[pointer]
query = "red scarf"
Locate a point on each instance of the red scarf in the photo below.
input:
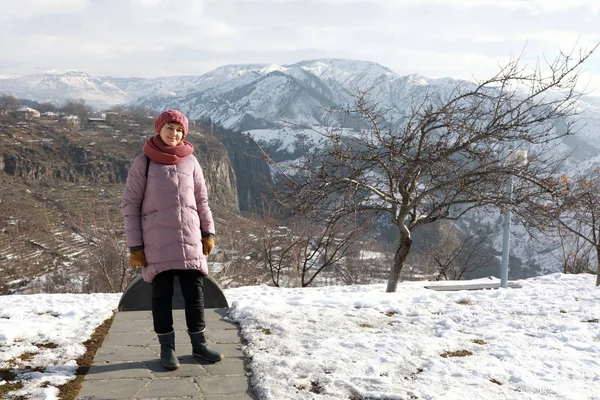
(156, 150)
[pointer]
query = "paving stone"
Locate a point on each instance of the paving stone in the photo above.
(130, 316)
(188, 367)
(244, 396)
(130, 327)
(117, 370)
(230, 349)
(111, 389)
(128, 339)
(196, 397)
(220, 324)
(224, 336)
(216, 312)
(123, 353)
(235, 384)
(169, 387)
(228, 366)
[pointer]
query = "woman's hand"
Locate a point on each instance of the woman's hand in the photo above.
(137, 259)
(208, 244)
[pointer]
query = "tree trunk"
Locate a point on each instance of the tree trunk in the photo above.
(401, 253)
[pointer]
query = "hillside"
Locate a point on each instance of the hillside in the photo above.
(59, 205)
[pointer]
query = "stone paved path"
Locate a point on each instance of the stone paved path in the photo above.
(127, 366)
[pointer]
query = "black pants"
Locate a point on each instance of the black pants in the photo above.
(192, 289)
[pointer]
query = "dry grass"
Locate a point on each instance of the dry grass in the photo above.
(266, 331)
(8, 376)
(458, 353)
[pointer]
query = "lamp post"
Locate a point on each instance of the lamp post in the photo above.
(515, 157)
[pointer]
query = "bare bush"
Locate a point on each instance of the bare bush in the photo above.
(106, 262)
(451, 253)
(576, 208)
(309, 245)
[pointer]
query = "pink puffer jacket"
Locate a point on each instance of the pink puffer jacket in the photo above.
(174, 214)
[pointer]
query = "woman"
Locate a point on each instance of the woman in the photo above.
(169, 230)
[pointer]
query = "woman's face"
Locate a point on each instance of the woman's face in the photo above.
(171, 133)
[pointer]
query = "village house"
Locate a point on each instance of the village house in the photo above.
(27, 113)
(97, 122)
(71, 119)
(112, 117)
(49, 116)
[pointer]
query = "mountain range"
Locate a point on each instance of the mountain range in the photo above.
(243, 96)
(267, 98)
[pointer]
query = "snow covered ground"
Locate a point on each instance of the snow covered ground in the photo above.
(357, 342)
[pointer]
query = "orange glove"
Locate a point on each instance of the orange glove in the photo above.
(208, 244)
(137, 259)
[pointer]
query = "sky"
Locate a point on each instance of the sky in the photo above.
(540, 341)
(152, 38)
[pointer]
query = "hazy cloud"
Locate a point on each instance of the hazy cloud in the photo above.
(458, 38)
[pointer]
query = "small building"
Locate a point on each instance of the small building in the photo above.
(112, 117)
(49, 116)
(97, 123)
(71, 119)
(97, 114)
(27, 113)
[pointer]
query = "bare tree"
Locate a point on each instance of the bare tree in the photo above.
(8, 104)
(364, 267)
(447, 156)
(45, 107)
(576, 207)
(310, 244)
(451, 253)
(575, 252)
(237, 259)
(78, 108)
(105, 263)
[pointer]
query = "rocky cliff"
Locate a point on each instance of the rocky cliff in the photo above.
(98, 157)
(252, 171)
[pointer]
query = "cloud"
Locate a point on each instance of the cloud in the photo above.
(436, 38)
(24, 9)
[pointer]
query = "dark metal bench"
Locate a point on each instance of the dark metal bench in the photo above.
(138, 295)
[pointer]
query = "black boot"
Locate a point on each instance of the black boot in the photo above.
(167, 350)
(200, 348)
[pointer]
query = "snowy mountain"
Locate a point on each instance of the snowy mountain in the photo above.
(56, 87)
(244, 96)
(259, 96)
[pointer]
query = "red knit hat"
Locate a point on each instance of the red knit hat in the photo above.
(171, 116)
